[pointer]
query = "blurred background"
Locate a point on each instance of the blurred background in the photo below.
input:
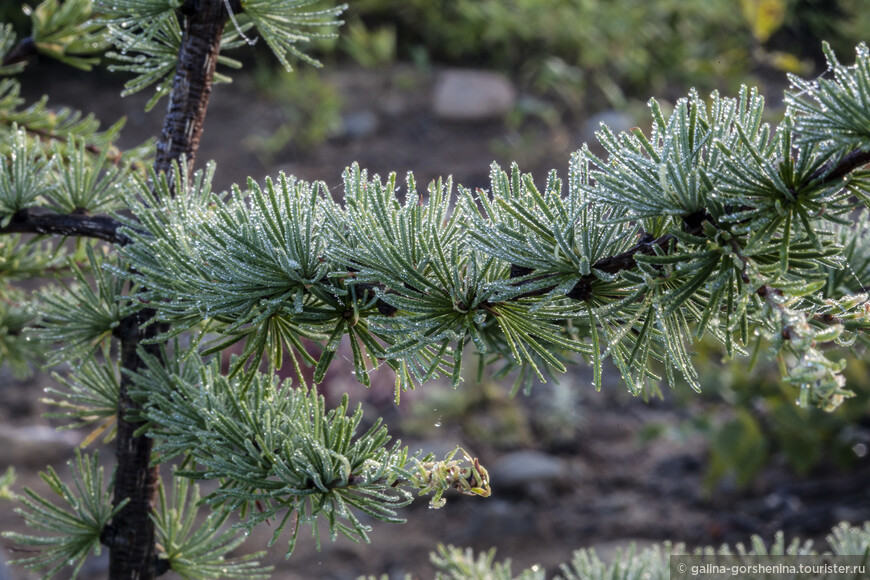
(446, 87)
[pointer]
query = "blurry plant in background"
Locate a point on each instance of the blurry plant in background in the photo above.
(748, 418)
(485, 414)
(310, 110)
(488, 417)
(11, 12)
(764, 18)
(571, 57)
(369, 47)
(673, 44)
(671, 40)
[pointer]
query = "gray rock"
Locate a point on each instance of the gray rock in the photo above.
(617, 122)
(510, 519)
(527, 470)
(473, 95)
(358, 124)
(35, 445)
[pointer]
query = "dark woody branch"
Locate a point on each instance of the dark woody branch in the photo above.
(75, 224)
(849, 163)
(25, 48)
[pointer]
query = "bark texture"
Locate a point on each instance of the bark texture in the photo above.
(130, 537)
(98, 226)
(191, 88)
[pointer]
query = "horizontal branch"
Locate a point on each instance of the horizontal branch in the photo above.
(100, 227)
(849, 163)
(693, 225)
(582, 290)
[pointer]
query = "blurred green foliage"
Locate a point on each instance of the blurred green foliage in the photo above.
(489, 415)
(368, 47)
(738, 447)
(749, 418)
(670, 38)
(310, 110)
(11, 12)
(485, 414)
(623, 47)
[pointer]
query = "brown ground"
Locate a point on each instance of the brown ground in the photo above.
(619, 489)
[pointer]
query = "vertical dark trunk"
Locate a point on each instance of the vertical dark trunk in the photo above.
(182, 128)
(130, 536)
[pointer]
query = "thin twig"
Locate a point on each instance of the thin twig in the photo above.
(25, 48)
